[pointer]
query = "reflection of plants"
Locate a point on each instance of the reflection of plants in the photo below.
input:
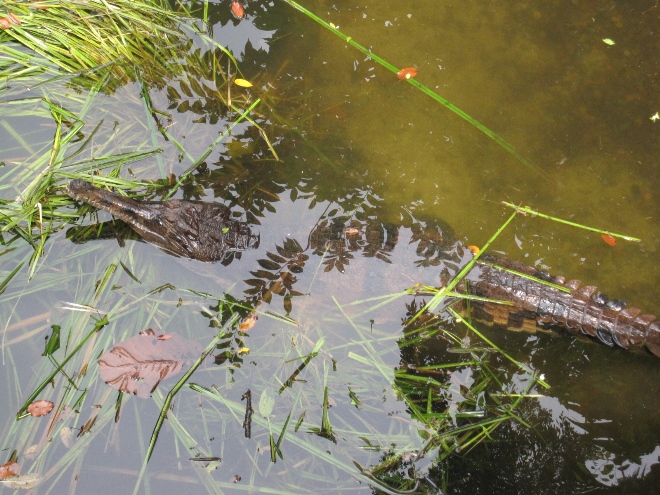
(277, 275)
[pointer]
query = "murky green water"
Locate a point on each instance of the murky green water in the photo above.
(358, 147)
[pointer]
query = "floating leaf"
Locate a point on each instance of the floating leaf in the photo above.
(40, 408)
(164, 337)
(66, 435)
(248, 322)
(242, 83)
(138, 364)
(237, 9)
(22, 481)
(474, 249)
(608, 239)
(243, 350)
(266, 403)
(8, 469)
(407, 73)
(608, 41)
(352, 231)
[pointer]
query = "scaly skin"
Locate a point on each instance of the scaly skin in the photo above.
(582, 310)
(192, 229)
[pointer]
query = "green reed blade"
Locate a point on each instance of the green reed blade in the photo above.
(527, 210)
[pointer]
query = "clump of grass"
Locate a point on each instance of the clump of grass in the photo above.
(88, 37)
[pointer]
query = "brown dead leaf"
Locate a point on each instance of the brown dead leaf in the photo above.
(9, 469)
(138, 364)
(40, 408)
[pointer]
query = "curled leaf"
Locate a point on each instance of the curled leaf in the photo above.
(249, 321)
(13, 19)
(4, 23)
(407, 73)
(242, 83)
(40, 408)
(352, 231)
(608, 239)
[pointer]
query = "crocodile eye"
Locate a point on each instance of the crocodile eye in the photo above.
(600, 298)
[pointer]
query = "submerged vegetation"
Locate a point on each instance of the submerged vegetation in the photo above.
(380, 404)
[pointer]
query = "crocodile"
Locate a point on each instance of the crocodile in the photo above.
(204, 231)
(191, 229)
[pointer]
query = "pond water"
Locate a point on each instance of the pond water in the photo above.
(358, 148)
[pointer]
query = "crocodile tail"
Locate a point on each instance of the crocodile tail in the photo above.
(580, 310)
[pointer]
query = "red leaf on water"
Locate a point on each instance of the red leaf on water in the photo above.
(237, 9)
(138, 364)
(40, 408)
(407, 73)
(9, 469)
(608, 239)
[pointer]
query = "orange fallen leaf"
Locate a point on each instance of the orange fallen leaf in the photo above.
(40, 408)
(237, 9)
(249, 321)
(9, 469)
(407, 73)
(611, 241)
(474, 249)
(352, 231)
(4, 23)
